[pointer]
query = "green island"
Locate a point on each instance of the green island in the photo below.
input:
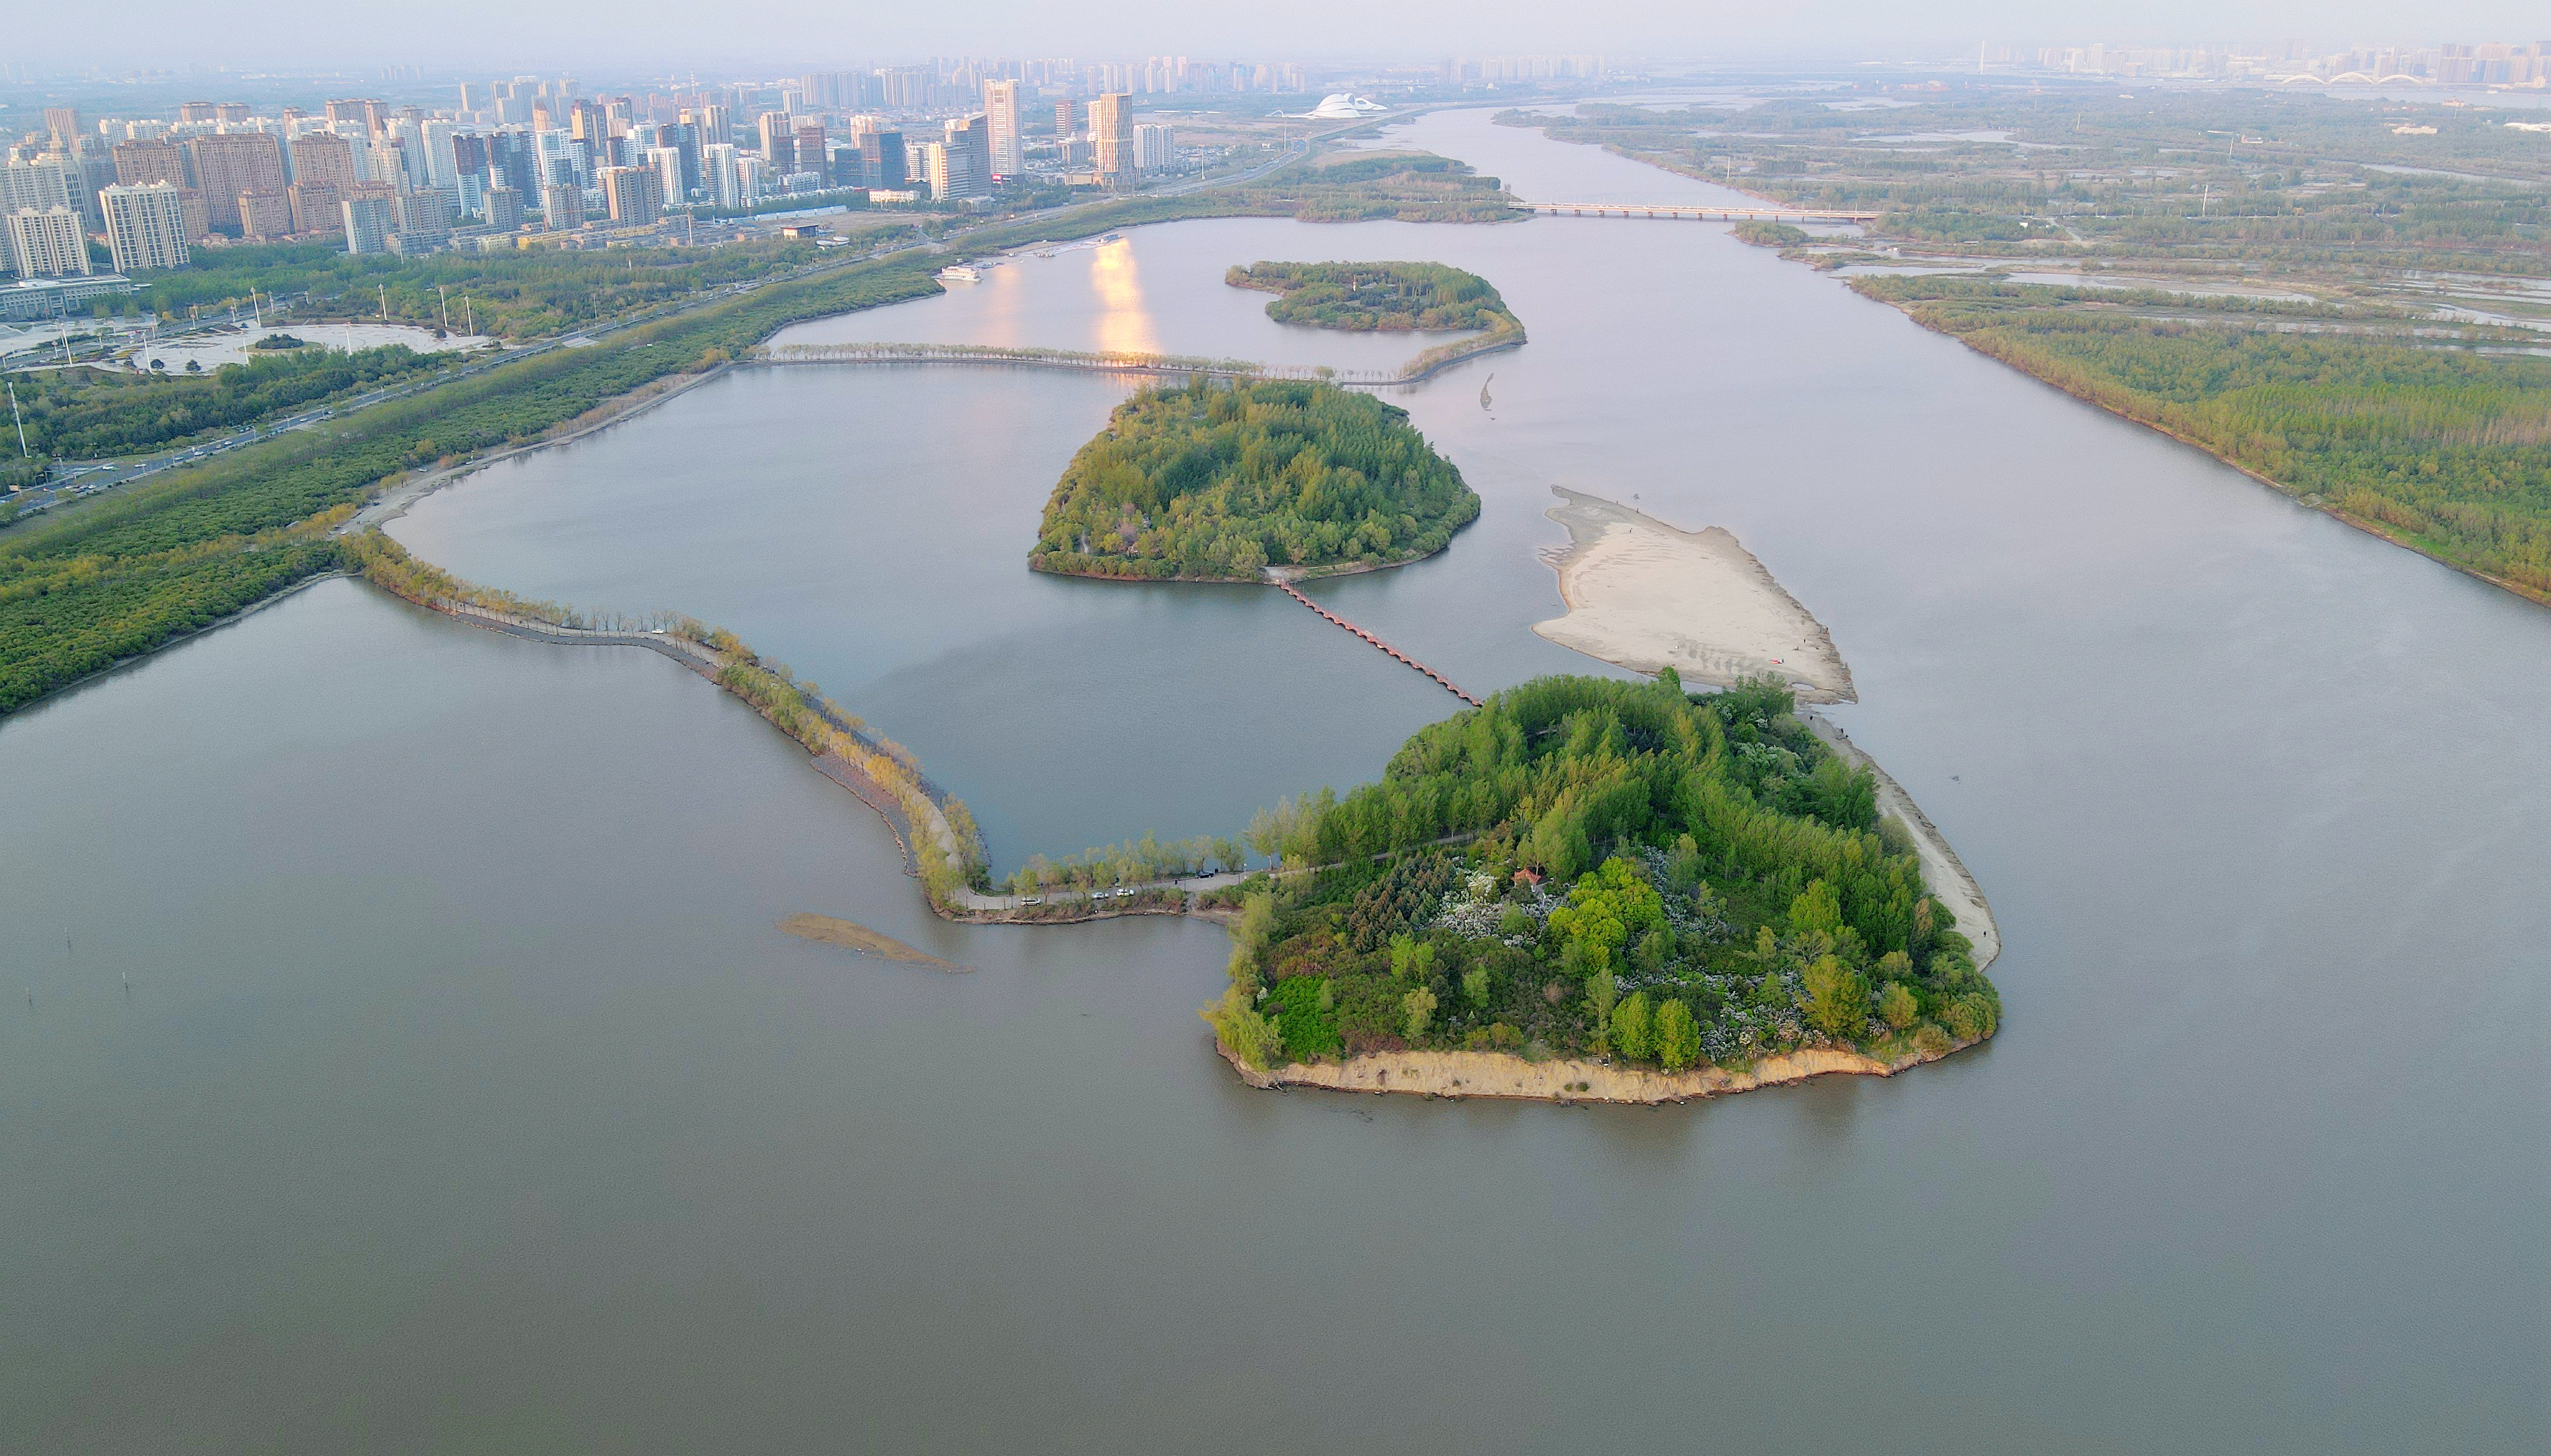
(2343, 302)
(1589, 869)
(1215, 482)
(1377, 297)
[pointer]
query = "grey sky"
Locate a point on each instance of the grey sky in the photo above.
(783, 35)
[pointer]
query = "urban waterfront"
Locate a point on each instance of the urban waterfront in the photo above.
(460, 1057)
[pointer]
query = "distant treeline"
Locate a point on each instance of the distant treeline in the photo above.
(1213, 481)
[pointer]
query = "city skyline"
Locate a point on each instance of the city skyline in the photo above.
(295, 34)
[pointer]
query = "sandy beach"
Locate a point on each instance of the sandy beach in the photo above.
(1500, 1074)
(1644, 595)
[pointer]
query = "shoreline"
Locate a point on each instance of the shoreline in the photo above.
(2377, 528)
(393, 502)
(1503, 1077)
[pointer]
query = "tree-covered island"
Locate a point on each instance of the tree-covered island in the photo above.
(1370, 296)
(1207, 483)
(1586, 868)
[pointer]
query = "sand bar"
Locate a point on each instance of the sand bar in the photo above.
(1644, 595)
(858, 937)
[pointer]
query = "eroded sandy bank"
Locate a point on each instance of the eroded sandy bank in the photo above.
(1943, 873)
(1644, 595)
(1498, 1075)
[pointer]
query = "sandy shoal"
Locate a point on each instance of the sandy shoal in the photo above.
(1644, 595)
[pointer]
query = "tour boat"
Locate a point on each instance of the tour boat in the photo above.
(961, 272)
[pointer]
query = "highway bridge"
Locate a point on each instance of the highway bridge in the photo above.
(1693, 213)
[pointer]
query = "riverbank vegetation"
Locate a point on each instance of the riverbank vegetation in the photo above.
(2448, 450)
(947, 864)
(1216, 483)
(91, 414)
(1657, 878)
(1383, 296)
(84, 587)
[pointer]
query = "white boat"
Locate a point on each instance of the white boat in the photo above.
(961, 272)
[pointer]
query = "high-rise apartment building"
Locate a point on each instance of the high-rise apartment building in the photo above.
(1153, 148)
(47, 242)
(778, 131)
(232, 162)
(197, 111)
(503, 209)
(1001, 110)
(562, 207)
(348, 111)
(812, 154)
(963, 166)
(634, 195)
(139, 163)
(61, 123)
(718, 175)
(371, 219)
(313, 206)
(45, 183)
(322, 158)
(666, 163)
(231, 113)
(881, 160)
(146, 226)
(1111, 138)
(424, 220)
(264, 214)
(1068, 118)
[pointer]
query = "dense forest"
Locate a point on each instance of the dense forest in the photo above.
(89, 414)
(1215, 482)
(83, 588)
(1387, 296)
(1632, 872)
(2448, 449)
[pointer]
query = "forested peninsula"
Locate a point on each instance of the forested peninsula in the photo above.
(1670, 892)
(1214, 482)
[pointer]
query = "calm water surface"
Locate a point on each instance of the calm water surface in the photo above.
(464, 1097)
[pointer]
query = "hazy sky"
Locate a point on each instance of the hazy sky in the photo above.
(494, 36)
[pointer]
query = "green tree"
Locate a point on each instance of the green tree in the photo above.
(1899, 1006)
(1837, 998)
(1420, 1007)
(1475, 986)
(1633, 1028)
(1253, 1038)
(1250, 938)
(1677, 1036)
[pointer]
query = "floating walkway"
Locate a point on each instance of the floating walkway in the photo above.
(1440, 680)
(1687, 212)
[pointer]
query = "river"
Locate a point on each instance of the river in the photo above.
(462, 1094)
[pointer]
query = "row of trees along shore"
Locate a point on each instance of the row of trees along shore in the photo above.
(794, 705)
(1654, 877)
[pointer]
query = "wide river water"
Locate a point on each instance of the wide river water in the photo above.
(406, 1057)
